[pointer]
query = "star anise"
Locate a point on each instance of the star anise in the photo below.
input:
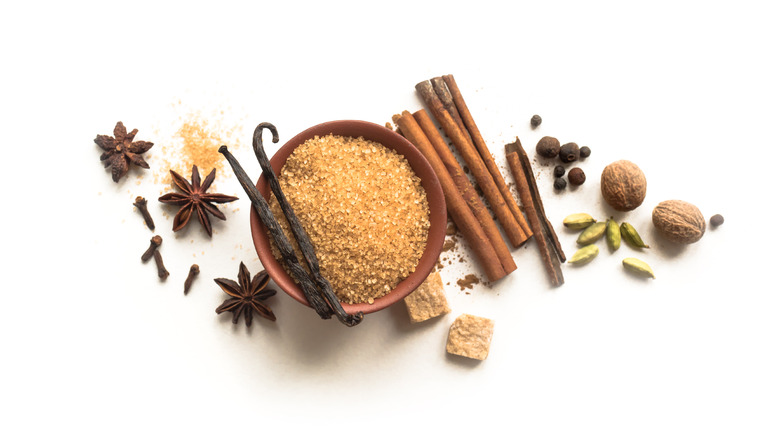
(121, 150)
(246, 296)
(195, 199)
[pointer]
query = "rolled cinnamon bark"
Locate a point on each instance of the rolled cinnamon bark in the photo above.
(547, 242)
(466, 190)
(479, 143)
(461, 214)
(472, 158)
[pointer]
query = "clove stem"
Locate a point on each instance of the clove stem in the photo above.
(154, 243)
(140, 203)
(194, 271)
(161, 271)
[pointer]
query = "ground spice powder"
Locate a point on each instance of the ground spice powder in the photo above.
(364, 209)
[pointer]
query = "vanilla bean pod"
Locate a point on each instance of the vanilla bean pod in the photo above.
(304, 242)
(285, 248)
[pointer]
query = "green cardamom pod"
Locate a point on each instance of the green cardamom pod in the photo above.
(632, 237)
(613, 234)
(578, 221)
(592, 233)
(638, 266)
(584, 254)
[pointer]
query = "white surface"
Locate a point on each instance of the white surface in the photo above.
(94, 345)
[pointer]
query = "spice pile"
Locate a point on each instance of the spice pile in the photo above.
(364, 210)
(194, 143)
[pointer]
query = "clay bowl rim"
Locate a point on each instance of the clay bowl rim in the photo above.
(430, 183)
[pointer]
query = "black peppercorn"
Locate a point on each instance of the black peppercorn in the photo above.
(569, 152)
(559, 171)
(559, 184)
(576, 176)
(536, 121)
(716, 220)
(584, 152)
(548, 147)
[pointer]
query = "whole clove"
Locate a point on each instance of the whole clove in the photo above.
(194, 271)
(154, 243)
(140, 203)
(161, 271)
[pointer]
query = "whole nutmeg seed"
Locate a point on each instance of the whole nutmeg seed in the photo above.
(623, 185)
(576, 176)
(679, 221)
(548, 147)
(569, 152)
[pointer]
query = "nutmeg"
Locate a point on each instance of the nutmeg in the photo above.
(623, 185)
(679, 221)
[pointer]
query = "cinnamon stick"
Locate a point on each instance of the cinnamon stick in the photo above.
(472, 158)
(465, 220)
(546, 239)
(466, 190)
(480, 145)
(440, 88)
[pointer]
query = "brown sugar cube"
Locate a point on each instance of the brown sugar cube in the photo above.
(470, 336)
(428, 300)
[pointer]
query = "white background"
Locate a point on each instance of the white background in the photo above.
(94, 345)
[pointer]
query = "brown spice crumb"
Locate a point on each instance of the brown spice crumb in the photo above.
(449, 245)
(452, 229)
(468, 281)
(364, 209)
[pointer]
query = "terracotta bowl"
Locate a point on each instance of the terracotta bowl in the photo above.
(390, 139)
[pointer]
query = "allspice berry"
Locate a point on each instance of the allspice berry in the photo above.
(584, 152)
(536, 120)
(548, 147)
(716, 220)
(679, 221)
(559, 184)
(576, 176)
(623, 185)
(559, 171)
(569, 152)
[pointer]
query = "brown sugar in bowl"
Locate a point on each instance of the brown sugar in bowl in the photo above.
(420, 166)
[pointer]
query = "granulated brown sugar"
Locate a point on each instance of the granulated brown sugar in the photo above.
(196, 141)
(364, 209)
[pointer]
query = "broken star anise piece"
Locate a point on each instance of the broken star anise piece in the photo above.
(121, 150)
(246, 296)
(194, 199)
